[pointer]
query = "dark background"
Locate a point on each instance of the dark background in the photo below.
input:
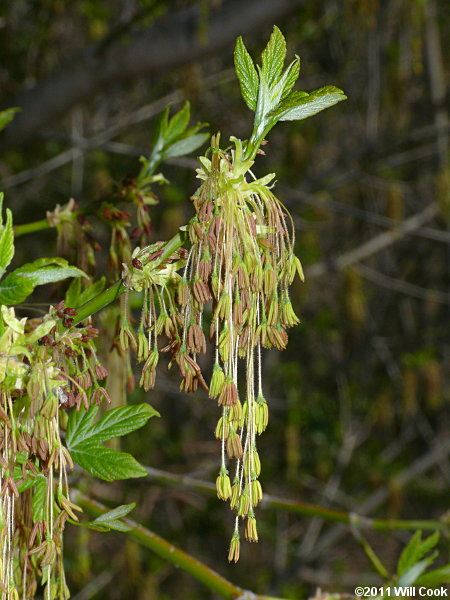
(358, 411)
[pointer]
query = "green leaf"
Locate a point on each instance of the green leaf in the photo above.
(296, 107)
(6, 237)
(416, 570)
(39, 499)
(19, 284)
(178, 122)
(114, 423)
(42, 329)
(110, 520)
(6, 116)
(172, 139)
(291, 76)
(106, 463)
(15, 289)
(76, 297)
(435, 577)
(273, 56)
(275, 100)
(85, 436)
(246, 74)
(185, 146)
(415, 550)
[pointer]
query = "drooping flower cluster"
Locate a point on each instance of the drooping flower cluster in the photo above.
(154, 273)
(236, 276)
(43, 368)
(242, 260)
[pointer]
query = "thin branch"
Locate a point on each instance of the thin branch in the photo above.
(440, 448)
(172, 554)
(169, 43)
(100, 140)
(375, 244)
(359, 213)
(301, 508)
(403, 286)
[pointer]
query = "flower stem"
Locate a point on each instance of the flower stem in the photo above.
(31, 227)
(117, 289)
(171, 553)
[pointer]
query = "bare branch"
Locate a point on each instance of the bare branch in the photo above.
(375, 244)
(171, 42)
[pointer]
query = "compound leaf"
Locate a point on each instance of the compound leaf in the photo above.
(85, 436)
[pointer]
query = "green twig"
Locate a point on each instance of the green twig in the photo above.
(117, 289)
(305, 509)
(171, 553)
(370, 553)
(31, 227)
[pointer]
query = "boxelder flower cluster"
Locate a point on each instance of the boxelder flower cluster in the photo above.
(44, 370)
(236, 276)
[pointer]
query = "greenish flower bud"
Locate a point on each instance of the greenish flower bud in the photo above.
(251, 533)
(217, 381)
(236, 415)
(244, 503)
(261, 414)
(235, 493)
(224, 344)
(223, 485)
(269, 279)
(215, 284)
(126, 338)
(256, 492)
(235, 544)
(142, 352)
(222, 428)
(223, 307)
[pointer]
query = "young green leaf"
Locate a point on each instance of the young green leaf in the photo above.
(76, 297)
(178, 123)
(415, 550)
(172, 139)
(6, 116)
(435, 577)
(19, 284)
(290, 77)
(295, 107)
(185, 146)
(273, 56)
(6, 237)
(272, 97)
(246, 73)
(111, 519)
(411, 576)
(40, 331)
(85, 436)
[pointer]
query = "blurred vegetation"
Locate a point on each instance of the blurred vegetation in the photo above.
(359, 408)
